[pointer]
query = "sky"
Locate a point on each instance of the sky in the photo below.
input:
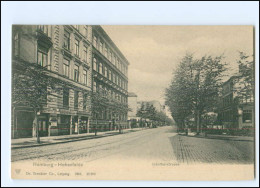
(155, 51)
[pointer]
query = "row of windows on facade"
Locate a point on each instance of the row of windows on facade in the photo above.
(76, 72)
(42, 60)
(67, 39)
(109, 93)
(46, 30)
(66, 99)
(109, 74)
(103, 48)
(109, 115)
(77, 46)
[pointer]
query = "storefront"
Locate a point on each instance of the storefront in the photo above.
(23, 124)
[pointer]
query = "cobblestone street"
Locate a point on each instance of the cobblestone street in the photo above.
(160, 144)
(191, 150)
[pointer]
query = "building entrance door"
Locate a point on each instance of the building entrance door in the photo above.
(43, 124)
(84, 124)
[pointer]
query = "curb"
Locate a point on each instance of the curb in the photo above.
(220, 138)
(72, 140)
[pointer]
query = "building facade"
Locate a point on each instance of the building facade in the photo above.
(68, 79)
(236, 111)
(61, 56)
(110, 83)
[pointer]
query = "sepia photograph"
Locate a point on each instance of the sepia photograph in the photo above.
(131, 99)
(126, 101)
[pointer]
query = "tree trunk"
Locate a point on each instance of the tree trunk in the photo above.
(197, 119)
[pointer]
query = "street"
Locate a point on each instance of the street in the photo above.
(159, 144)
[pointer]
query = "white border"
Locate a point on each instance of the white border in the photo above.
(114, 13)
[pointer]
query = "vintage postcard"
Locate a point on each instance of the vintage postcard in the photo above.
(103, 102)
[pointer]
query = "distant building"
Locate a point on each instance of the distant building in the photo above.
(132, 102)
(235, 111)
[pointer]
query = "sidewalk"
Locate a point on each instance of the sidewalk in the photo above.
(220, 137)
(31, 142)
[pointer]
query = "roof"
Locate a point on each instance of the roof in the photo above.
(131, 94)
(104, 34)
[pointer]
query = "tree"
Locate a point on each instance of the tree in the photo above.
(195, 88)
(178, 97)
(246, 76)
(149, 112)
(30, 88)
(102, 102)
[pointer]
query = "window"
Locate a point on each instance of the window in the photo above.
(86, 31)
(114, 78)
(95, 86)
(16, 44)
(120, 66)
(101, 46)
(109, 74)
(85, 77)
(247, 116)
(66, 67)
(105, 51)
(66, 43)
(100, 68)
(117, 63)
(95, 41)
(105, 91)
(105, 71)
(76, 99)
(76, 73)
(109, 55)
(85, 97)
(112, 94)
(113, 59)
(100, 90)
(65, 97)
(77, 47)
(42, 58)
(85, 54)
(43, 28)
(95, 64)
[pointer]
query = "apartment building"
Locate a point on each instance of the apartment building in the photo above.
(236, 111)
(110, 83)
(61, 57)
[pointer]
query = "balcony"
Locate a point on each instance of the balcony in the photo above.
(43, 39)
